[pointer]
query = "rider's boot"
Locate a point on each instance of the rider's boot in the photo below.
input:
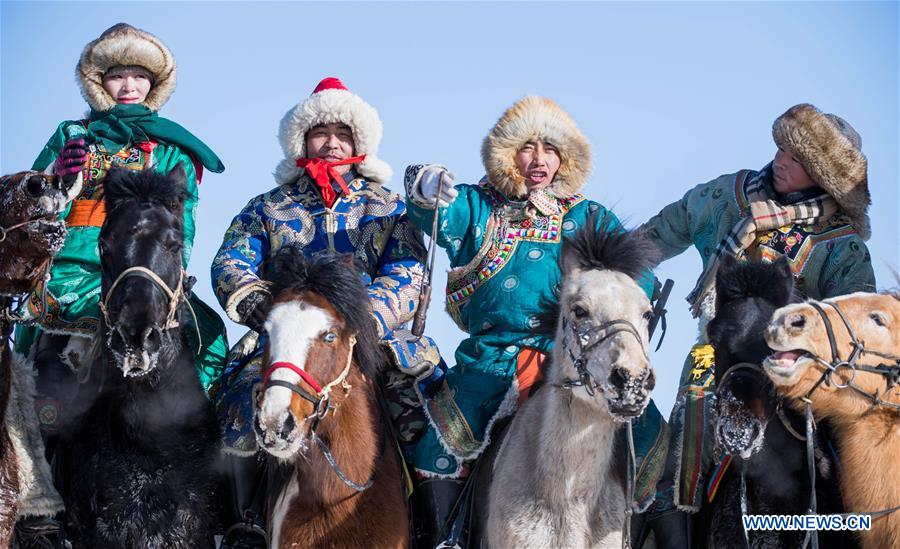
(434, 500)
(247, 480)
(40, 533)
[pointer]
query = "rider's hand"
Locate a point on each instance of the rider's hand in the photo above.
(254, 309)
(428, 179)
(71, 159)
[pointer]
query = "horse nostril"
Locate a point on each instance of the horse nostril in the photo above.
(35, 185)
(152, 339)
(288, 426)
(798, 321)
(650, 382)
(618, 378)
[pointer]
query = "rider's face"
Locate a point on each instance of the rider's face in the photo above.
(538, 163)
(789, 175)
(332, 142)
(127, 86)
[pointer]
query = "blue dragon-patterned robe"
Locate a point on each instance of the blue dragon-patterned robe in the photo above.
(370, 223)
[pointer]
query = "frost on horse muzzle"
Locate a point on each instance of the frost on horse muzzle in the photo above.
(615, 347)
(742, 395)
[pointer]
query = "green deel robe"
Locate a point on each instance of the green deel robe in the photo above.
(827, 260)
(69, 304)
(505, 270)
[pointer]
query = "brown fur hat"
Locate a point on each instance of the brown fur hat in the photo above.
(529, 119)
(828, 148)
(124, 45)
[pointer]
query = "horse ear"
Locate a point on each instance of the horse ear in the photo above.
(178, 176)
(569, 259)
(786, 289)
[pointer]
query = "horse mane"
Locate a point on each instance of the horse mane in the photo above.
(772, 282)
(145, 187)
(336, 278)
(609, 247)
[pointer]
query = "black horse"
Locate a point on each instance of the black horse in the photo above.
(139, 465)
(765, 439)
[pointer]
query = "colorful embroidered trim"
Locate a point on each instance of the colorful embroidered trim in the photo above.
(717, 476)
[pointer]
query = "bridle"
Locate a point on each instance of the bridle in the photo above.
(322, 404)
(589, 336)
(176, 297)
(6, 230)
(891, 373)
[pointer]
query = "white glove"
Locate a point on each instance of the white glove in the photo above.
(430, 178)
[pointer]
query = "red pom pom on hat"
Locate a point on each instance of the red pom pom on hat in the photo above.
(329, 83)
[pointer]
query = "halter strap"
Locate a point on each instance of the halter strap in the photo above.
(297, 370)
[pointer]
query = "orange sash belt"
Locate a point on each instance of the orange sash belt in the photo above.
(86, 213)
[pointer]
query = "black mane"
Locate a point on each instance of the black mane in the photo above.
(608, 247)
(336, 278)
(121, 186)
(772, 282)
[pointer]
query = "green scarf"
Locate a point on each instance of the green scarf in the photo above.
(125, 125)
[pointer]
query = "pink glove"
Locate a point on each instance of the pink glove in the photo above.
(71, 158)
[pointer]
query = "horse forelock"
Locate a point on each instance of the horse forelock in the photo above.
(335, 279)
(608, 247)
(146, 187)
(772, 282)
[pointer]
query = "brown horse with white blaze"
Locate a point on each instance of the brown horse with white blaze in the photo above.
(843, 354)
(318, 411)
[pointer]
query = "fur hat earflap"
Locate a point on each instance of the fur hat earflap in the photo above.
(125, 46)
(536, 118)
(331, 102)
(829, 149)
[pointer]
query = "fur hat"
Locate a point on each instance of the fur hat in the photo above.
(828, 148)
(332, 102)
(529, 119)
(124, 45)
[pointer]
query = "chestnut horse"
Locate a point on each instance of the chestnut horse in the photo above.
(319, 412)
(842, 355)
(30, 234)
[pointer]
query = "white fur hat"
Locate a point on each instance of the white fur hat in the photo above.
(331, 102)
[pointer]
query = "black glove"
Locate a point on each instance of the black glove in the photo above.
(254, 309)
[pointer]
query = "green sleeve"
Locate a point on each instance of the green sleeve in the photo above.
(167, 157)
(51, 149)
(670, 229)
(847, 269)
(462, 223)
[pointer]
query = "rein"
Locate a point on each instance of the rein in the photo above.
(589, 336)
(175, 297)
(890, 372)
(6, 230)
(321, 402)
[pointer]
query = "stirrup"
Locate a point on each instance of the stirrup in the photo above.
(237, 533)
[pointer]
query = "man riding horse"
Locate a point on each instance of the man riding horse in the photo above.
(126, 75)
(810, 205)
(503, 237)
(330, 198)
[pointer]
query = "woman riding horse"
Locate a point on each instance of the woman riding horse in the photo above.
(126, 75)
(330, 198)
(503, 237)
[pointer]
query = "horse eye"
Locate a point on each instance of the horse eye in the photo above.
(879, 319)
(579, 312)
(647, 315)
(330, 337)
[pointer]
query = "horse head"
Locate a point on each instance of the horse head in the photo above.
(30, 228)
(602, 332)
(747, 293)
(842, 353)
(141, 245)
(321, 335)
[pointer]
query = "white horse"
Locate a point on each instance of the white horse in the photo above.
(557, 481)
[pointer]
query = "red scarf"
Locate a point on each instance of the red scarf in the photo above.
(322, 172)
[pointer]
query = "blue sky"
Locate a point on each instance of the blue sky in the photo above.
(670, 94)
